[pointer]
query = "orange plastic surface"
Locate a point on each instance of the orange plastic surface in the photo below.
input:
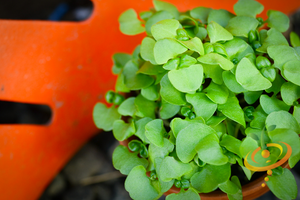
(67, 66)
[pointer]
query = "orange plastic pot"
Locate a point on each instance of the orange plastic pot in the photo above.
(67, 66)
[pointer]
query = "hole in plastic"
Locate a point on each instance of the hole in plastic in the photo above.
(50, 10)
(24, 113)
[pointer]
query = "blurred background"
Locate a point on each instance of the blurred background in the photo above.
(89, 175)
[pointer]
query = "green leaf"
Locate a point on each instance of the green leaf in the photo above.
(150, 93)
(144, 15)
(122, 130)
(129, 23)
(208, 179)
(233, 110)
(190, 194)
(270, 105)
(127, 108)
(249, 8)
(278, 20)
(258, 134)
(296, 113)
(229, 187)
(231, 82)
(168, 110)
(157, 17)
(187, 79)
(249, 77)
(217, 33)
(186, 61)
(165, 29)
(208, 47)
(200, 32)
(145, 108)
(133, 80)
(120, 59)
(238, 195)
(236, 181)
(172, 64)
(269, 73)
(188, 138)
(259, 118)
(210, 151)
(263, 34)
(283, 186)
(217, 93)
(200, 13)
(231, 144)
(162, 5)
(173, 169)
(251, 97)
(140, 129)
(241, 25)
(281, 54)
(177, 124)
(237, 48)
(216, 59)
(139, 185)
(282, 119)
(295, 40)
(120, 85)
(291, 71)
(194, 44)
(195, 169)
(105, 117)
(125, 161)
(147, 50)
(274, 38)
(288, 136)
(150, 69)
(155, 132)
(170, 94)
(248, 145)
(297, 49)
(215, 120)
(214, 72)
(293, 160)
(221, 17)
(220, 49)
(247, 172)
(276, 85)
(202, 105)
(161, 185)
(160, 152)
(166, 49)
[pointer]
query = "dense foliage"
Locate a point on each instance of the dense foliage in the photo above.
(204, 88)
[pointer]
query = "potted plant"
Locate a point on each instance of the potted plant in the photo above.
(206, 92)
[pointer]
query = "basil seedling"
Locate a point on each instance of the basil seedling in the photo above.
(204, 89)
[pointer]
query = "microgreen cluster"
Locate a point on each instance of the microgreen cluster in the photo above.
(205, 88)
